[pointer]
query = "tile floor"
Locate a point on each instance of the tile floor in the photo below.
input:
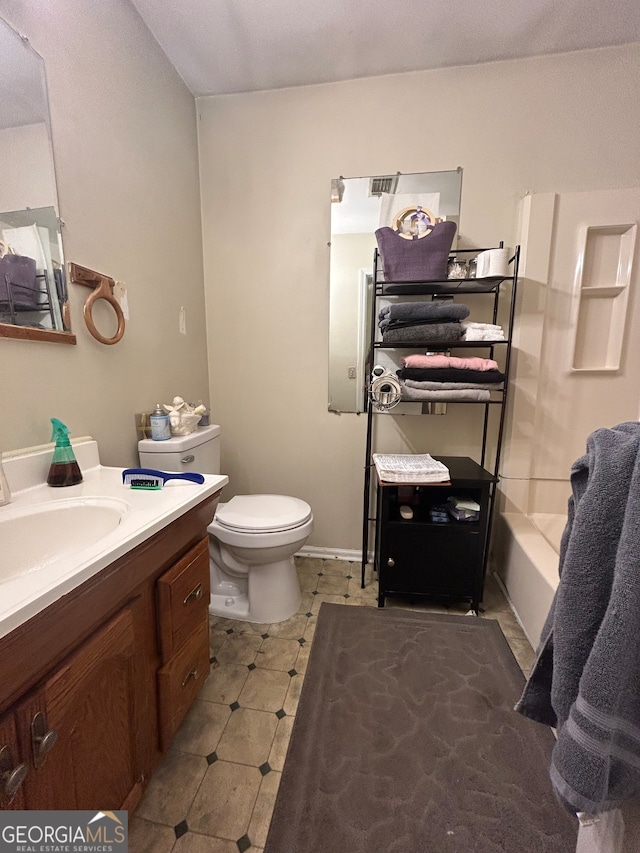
(216, 787)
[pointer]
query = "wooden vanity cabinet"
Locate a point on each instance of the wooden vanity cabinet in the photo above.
(84, 710)
(12, 769)
(89, 706)
(183, 607)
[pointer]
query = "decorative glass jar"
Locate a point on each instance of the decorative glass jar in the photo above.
(457, 268)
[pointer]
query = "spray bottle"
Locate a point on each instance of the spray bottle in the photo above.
(64, 470)
(160, 424)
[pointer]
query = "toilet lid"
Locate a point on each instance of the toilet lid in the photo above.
(263, 513)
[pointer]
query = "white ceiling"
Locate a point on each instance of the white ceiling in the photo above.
(224, 46)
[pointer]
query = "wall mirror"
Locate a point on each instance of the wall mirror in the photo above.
(358, 207)
(33, 290)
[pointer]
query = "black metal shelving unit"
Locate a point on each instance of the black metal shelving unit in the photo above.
(447, 288)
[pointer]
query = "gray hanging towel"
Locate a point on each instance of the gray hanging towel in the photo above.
(586, 677)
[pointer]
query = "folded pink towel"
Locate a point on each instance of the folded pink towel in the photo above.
(450, 361)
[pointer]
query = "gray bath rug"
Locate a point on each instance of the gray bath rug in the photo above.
(406, 741)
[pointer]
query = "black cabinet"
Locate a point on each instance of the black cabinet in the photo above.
(418, 556)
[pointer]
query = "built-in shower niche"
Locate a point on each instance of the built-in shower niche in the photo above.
(601, 296)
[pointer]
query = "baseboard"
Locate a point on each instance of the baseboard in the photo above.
(505, 592)
(351, 555)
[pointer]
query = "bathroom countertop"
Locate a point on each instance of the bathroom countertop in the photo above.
(146, 512)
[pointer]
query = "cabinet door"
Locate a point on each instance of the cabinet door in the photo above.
(89, 704)
(12, 768)
(430, 559)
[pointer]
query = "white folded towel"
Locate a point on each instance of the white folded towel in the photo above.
(410, 468)
(483, 335)
(483, 326)
(482, 332)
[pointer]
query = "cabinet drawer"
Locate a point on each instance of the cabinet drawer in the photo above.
(183, 598)
(180, 680)
(430, 560)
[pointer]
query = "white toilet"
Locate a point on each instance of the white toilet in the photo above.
(252, 538)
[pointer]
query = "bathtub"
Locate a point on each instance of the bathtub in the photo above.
(525, 560)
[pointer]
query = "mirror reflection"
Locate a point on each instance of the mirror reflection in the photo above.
(33, 297)
(358, 207)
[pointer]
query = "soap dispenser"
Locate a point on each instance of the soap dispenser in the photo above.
(64, 470)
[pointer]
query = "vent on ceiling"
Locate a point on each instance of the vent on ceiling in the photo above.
(383, 184)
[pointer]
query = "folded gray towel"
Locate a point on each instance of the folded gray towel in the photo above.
(586, 676)
(430, 332)
(435, 310)
(451, 396)
(452, 386)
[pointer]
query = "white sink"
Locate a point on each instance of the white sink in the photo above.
(36, 536)
(53, 540)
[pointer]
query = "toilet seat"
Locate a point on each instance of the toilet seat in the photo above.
(262, 514)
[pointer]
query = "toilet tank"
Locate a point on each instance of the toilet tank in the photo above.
(199, 452)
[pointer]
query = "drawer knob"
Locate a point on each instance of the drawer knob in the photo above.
(193, 673)
(43, 739)
(187, 459)
(11, 777)
(391, 562)
(194, 595)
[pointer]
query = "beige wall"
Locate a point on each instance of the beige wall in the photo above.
(552, 124)
(125, 147)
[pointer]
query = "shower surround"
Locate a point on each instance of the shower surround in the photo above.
(575, 357)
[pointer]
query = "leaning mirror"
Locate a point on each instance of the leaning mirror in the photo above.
(358, 207)
(33, 300)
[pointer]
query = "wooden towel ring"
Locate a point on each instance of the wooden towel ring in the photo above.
(103, 289)
(413, 212)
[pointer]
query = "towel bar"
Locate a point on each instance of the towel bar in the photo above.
(103, 289)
